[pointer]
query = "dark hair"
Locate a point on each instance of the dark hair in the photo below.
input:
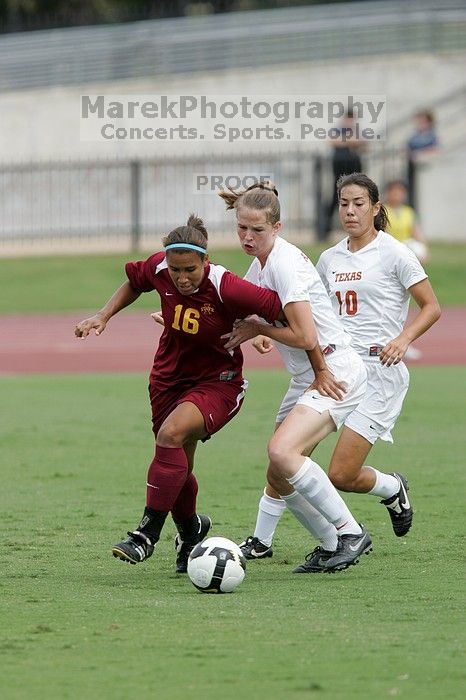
(194, 233)
(261, 195)
(360, 179)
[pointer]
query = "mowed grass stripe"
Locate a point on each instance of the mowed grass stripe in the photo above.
(77, 623)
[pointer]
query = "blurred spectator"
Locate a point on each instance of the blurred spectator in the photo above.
(403, 224)
(423, 142)
(345, 160)
(424, 137)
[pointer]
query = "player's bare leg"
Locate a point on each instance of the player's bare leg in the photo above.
(349, 473)
(270, 510)
(298, 435)
(346, 470)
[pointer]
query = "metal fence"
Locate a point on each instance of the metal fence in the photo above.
(132, 203)
(229, 41)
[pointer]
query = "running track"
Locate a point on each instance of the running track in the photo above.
(47, 344)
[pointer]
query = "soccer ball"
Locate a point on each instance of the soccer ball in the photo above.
(216, 565)
(419, 249)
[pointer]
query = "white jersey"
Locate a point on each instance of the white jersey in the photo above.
(290, 273)
(369, 289)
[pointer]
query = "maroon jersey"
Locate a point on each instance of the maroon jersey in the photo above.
(190, 349)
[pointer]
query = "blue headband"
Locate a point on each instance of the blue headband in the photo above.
(186, 245)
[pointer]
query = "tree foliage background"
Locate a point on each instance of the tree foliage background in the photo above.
(24, 15)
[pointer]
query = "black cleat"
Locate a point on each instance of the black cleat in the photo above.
(253, 548)
(348, 551)
(135, 549)
(184, 549)
(399, 507)
(315, 562)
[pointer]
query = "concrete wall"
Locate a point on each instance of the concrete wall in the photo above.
(442, 192)
(43, 124)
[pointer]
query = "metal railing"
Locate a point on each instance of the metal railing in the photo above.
(229, 41)
(135, 202)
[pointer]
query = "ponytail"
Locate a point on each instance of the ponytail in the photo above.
(259, 196)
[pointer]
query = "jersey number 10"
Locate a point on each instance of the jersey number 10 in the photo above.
(350, 302)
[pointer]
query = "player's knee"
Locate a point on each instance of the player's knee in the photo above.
(171, 435)
(340, 479)
(277, 454)
(273, 479)
(270, 491)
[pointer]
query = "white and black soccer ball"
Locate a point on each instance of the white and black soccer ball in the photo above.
(419, 249)
(216, 565)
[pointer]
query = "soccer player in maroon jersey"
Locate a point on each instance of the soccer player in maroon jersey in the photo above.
(196, 385)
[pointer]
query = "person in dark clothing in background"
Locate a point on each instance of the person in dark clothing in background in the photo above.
(345, 160)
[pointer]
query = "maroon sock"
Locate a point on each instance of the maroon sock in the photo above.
(166, 477)
(185, 505)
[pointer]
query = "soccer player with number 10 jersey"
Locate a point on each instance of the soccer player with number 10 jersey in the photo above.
(370, 278)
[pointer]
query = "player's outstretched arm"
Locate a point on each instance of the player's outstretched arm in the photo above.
(249, 331)
(124, 296)
(299, 332)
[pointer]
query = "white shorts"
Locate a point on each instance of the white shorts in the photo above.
(378, 411)
(346, 366)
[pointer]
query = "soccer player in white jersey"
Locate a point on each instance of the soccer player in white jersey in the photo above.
(305, 416)
(370, 278)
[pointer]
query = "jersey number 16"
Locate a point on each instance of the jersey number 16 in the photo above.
(189, 322)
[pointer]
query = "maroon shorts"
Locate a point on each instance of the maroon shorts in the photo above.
(218, 402)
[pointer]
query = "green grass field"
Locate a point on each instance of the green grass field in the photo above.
(70, 283)
(77, 623)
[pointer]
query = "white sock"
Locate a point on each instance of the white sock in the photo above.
(268, 516)
(312, 520)
(385, 486)
(314, 485)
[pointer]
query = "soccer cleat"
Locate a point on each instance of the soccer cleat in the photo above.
(315, 562)
(135, 549)
(399, 507)
(348, 551)
(253, 548)
(184, 549)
